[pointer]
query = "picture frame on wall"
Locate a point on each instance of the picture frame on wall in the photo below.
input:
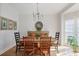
(10, 25)
(15, 25)
(7, 24)
(4, 23)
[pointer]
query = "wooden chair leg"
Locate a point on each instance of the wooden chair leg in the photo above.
(42, 54)
(16, 51)
(57, 49)
(49, 52)
(31, 53)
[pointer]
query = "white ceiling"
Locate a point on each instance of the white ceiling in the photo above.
(74, 8)
(44, 8)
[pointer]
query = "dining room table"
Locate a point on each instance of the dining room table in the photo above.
(37, 44)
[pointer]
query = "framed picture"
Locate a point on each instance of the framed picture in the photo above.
(15, 25)
(10, 25)
(3, 23)
(7, 24)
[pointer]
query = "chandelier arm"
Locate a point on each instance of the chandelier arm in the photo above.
(37, 15)
(38, 12)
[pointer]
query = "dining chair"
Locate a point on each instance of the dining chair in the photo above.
(31, 34)
(44, 34)
(57, 40)
(28, 46)
(45, 43)
(19, 45)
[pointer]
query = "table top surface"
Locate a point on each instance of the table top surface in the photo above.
(52, 39)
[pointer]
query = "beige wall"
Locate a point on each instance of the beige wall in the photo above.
(7, 40)
(51, 23)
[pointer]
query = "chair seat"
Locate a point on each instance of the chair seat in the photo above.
(20, 46)
(20, 43)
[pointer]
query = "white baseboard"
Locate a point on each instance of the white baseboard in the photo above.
(1, 52)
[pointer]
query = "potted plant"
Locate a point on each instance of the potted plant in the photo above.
(73, 42)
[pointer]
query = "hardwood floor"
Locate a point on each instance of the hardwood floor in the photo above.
(12, 52)
(63, 51)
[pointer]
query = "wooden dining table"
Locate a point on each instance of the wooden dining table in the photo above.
(37, 43)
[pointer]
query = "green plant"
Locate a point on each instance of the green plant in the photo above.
(73, 42)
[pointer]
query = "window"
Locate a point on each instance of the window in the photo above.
(69, 28)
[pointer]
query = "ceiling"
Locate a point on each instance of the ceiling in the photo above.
(44, 8)
(74, 8)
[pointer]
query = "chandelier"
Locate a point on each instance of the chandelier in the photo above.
(37, 14)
